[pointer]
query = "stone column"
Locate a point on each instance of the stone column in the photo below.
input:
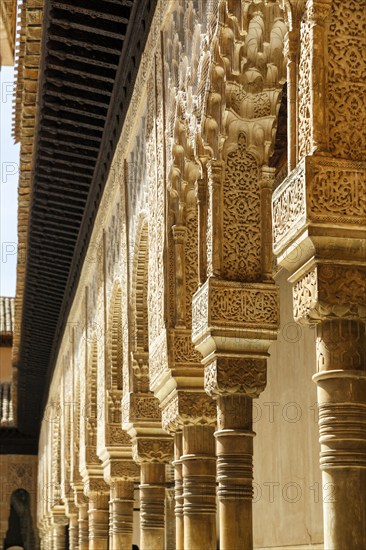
(191, 415)
(152, 453)
(121, 514)
(170, 537)
(58, 536)
(235, 470)
(83, 525)
(152, 506)
(341, 380)
(98, 520)
(291, 52)
(178, 481)
(199, 487)
(235, 382)
(322, 243)
(73, 532)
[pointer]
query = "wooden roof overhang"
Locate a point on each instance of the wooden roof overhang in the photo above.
(91, 51)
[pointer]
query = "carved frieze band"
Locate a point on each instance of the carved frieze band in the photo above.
(188, 408)
(226, 375)
(330, 292)
(233, 305)
(318, 190)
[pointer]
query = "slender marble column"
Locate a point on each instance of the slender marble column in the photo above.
(83, 523)
(98, 521)
(59, 538)
(179, 521)
(169, 508)
(235, 470)
(121, 515)
(199, 487)
(73, 532)
(341, 380)
(152, 505)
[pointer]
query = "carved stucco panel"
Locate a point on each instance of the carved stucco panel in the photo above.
(346, 80)
(241, 216)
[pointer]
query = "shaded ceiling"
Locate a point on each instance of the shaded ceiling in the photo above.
(91, 52)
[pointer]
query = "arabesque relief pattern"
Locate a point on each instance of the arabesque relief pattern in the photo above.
(168, 336)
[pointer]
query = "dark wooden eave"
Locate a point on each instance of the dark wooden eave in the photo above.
(91, 51)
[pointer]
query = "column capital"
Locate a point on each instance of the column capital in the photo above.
(268, 176)
(120, 489)
(95, 486)
(236, 375)
(215, 172)
(79, 497)
(318, 10)
(291, 43)
(155, 449)
(179, 233)
(121, 470)
(188, 408)
(329, 291)
(59, 519)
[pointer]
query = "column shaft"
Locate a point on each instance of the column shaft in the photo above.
(121, 515)
(98, 521)
(199, 487)
(178, 480)
(73, 532)
(59, 539)
(235, 471)
(83, 524)
(152, 506)
(341, 350)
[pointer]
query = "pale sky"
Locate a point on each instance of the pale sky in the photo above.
(9, 160)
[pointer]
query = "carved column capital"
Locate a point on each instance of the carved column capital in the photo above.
(122, 490)
(215, 172)
(236, 375)
(329, 292)
(290, 49)
(179, 233)
(153, 449)
(121, 470)
(268, 174)
(59, 519)
(79, 496)
(318, 10)
(95, 486)
(188, 408)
